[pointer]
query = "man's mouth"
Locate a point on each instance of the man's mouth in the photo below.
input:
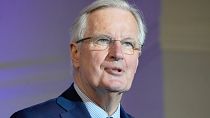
(114, 71)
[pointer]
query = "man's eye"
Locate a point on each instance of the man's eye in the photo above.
(102, 41)
(128, 44)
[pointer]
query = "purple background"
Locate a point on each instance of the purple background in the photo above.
(34, 57)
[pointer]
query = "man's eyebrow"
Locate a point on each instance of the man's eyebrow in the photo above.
(103, 35)
(125, 37)
(129, 38)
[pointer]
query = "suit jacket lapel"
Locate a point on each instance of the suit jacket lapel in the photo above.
(123, 114)
(79, 111)
(73, 105)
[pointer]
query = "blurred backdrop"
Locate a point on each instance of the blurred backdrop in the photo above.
(173, 78)
(185, 42)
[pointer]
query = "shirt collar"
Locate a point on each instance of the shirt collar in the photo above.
(94, 110)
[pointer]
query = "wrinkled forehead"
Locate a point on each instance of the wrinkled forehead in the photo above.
(112, 21)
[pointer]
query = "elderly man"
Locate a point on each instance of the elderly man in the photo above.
(105, 47)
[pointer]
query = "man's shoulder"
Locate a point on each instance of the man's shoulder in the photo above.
(53, 108)
(47, 109)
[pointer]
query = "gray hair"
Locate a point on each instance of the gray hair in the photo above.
(79, 27)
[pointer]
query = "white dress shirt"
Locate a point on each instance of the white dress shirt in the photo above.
(94, 110)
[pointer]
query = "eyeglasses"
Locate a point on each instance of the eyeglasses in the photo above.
(102, 42)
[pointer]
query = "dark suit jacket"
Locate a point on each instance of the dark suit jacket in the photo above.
(68, 105)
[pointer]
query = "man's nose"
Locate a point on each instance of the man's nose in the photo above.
(116, 51)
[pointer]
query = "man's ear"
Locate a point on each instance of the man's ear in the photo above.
(74, 50)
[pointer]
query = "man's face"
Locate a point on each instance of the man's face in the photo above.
(109, 69)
